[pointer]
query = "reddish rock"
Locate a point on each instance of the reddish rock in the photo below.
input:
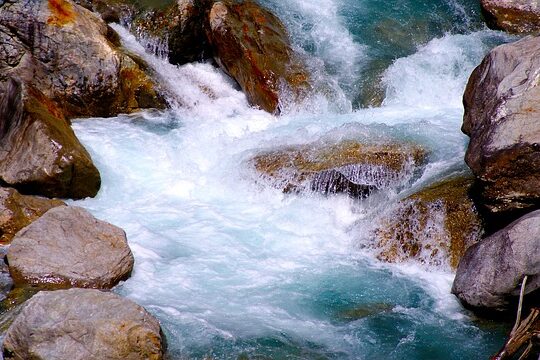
(514, 16)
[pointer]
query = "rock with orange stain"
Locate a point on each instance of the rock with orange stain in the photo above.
(62, 13)
(514, 16)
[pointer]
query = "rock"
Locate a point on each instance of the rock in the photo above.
(65, 51)
(39, 152)
(514, 16)
(18, 211)
(68, 247)
(501, 117)
(434, 226)
(490, 274)
(253, 47)
(79, 324)
(348, 167)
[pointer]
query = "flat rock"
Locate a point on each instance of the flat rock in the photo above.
(39, 152)
(502, 103)
(79, 324)
(433, 226)
(68, 247)
(514, 16)
(18, 211)
(490, 274)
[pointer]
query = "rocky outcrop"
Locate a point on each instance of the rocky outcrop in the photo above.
(347, 167)
(433, 226)
(514, 16)
(79, 324)
(490, 274)
(65, 51)
(18, 211)
(39, 152)
(68, 247)
(253, 47)
(501, 117)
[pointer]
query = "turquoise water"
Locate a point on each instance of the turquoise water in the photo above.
(235, 269)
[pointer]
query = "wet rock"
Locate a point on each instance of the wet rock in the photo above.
(253, 47)
(81, 324)
(433, 226)
(18, 211)
(65, 51)
(347, 167)
(39, 152)
(514, 16)
(490, 274)
(68, 247)
(501, 117)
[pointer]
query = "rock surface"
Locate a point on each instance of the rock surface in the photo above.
(434, 226)
(68, 247)
(252, 46)
(18, 211)
(501, 117)
(39, 152)
(347, 167)
(79, 324)
(489, 275)
(65, 51)
(514, 16)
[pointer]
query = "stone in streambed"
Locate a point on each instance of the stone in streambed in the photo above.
(514, 16)
(434, 226)
(68, 247)
(79, 324)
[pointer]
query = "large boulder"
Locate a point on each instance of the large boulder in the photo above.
(490, 274)
(39, 152)
(514, 16)
(502, 107)
(67, 52)
(18, 211)
(68, 247)
(83, 324)
(346, 167)
(253, 47)
(433, 226)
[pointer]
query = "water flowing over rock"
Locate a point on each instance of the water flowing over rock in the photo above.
(252, 46)
(501, 117)
(39, 152)
(514, 16)
(79, 324)
(68, 247)
(18, 211)
(346, 167)
(490, 274)
(434, 226)
(65, 51)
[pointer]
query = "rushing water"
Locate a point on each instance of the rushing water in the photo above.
(236, 269)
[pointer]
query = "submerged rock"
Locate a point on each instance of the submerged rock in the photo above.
(490, 274)
(434, 226)
(79, 324)
(18, 211)
(502, 103)
(39, 152)
(67, 52)
(347, 167)
(68, 247)
(514, 16)
(252, 46)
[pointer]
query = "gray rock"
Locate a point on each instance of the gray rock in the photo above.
(502, 105)
(491, 272)
(515, 16)
(68, 247)
(79, 324)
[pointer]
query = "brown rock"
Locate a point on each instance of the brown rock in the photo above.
(68, 247)
(435, 225)
(514, 16)
(501, 117)
(349, 166)
(252, 46)
(18, 211)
